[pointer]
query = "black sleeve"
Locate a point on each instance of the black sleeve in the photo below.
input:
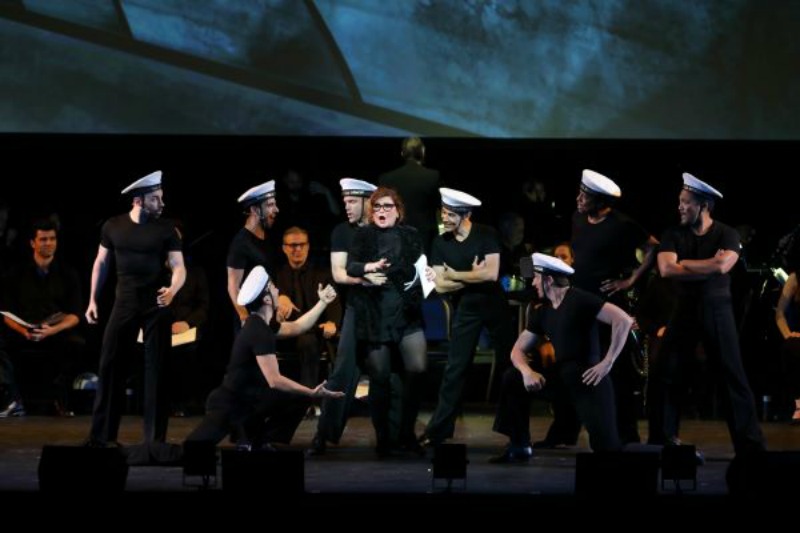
(174, 243)
(355, 269)
(234, 258)
(105, 236)
(436, 257)
(594, 303)
(730, 240)
(339, 240)
(264, 341)
(534, 324)
(358, 257)
(668, 242)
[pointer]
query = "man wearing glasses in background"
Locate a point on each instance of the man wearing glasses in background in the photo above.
(299, 281)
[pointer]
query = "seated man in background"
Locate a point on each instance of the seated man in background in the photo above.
(44, 293)
(190, 308)
(297, 281)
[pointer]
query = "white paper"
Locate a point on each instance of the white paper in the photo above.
(17, 319)
(190, 335)
(420, 265)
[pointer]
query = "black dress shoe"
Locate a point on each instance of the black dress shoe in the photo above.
(413, 446)
(426, 441)
(93, 443)
(513, 454)
(318, 446)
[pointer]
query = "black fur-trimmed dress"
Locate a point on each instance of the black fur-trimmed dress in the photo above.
(387, 313)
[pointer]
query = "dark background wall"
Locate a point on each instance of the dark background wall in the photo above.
(81, 176)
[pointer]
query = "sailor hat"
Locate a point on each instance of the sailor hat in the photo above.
(692, 184)
(547, 264)
(256, 194)
(144, 185)
(595, 183)
(453, 199)
(253, 285)
(354, 187)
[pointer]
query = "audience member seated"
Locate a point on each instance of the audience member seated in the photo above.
(298, 283)
(44, 346)
(564, 252)
(513, 248)
(190, 307)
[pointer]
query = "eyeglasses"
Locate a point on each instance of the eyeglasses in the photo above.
(383, 207)
(295, 244)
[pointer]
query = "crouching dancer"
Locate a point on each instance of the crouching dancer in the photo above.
(255, 402)
(569, 319)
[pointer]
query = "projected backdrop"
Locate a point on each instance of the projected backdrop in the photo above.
(605, 68)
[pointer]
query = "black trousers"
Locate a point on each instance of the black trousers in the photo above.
(256, 419)
(119, 341)
(472, 313)
(44, 370)
(709, 320)
(184, 377)
(345, 376)
(307, 347)
(594, 405)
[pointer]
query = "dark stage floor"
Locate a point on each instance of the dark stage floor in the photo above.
(352, 467)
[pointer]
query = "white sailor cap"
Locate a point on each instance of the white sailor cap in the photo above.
(595, 183)
(547, 264)
(144, 185)
(354, 187)
(460, 201)
(692, 184)
(256, 194)
(253, 285)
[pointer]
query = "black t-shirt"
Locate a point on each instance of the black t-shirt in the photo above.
(341, 241)
(606, 250)
(248, 251)
(572, 327)
(140, 250)
(683, 241)
(481, 241)
(243, 374)
(34, 295)
(342, 237)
